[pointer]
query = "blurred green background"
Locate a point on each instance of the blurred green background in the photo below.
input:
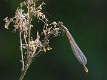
(85, 19)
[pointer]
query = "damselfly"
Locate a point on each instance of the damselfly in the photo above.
(76, 50)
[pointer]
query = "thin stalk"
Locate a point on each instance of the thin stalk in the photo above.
(22, 57)
(24, 71)
(28, 54)
(28, 59)
(28, 65)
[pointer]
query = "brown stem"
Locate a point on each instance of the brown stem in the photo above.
(24, 71)
(28, 54)
(22, 57)
(28, 60)
(27, 65)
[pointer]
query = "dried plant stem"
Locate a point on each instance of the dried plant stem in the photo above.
(29, 30)
(24, 71)
(27, 65)
(28, 59)
(22, 57)
(28, 52)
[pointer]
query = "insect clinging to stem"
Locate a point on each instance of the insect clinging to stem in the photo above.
(76, 50)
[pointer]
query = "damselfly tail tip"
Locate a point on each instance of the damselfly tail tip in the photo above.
(86, 69)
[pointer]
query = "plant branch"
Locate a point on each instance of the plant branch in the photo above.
(22, 57)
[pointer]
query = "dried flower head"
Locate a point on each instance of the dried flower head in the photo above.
(22, 22)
